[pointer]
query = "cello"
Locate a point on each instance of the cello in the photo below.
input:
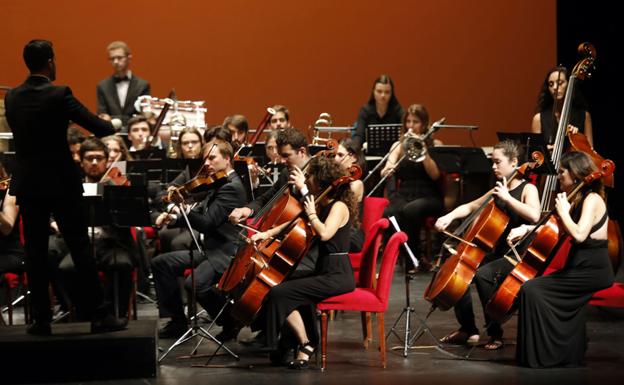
(487, 224)
(275, 259)
(547, 239)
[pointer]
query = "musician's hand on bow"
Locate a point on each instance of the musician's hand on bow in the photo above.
(561, 204)
(572, 129)
(517, 233)
(258, 237)
(443, 222)
(240, 214)
(297, 177)
(501, 190)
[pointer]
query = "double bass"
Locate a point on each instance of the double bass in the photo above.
(546, 239)
(487, 225)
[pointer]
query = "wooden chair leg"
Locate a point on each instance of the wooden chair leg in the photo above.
(382, 338)
(367, 329)
(323, 339)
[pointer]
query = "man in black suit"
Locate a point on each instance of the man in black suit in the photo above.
(116, 95)
(220, 241)
(46, 181)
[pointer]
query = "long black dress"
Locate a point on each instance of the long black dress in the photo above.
(551, 322)
(333, 276)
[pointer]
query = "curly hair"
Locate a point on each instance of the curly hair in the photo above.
(326, 171)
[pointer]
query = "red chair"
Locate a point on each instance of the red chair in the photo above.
(373, 211)
(609, 297)
(366, 299)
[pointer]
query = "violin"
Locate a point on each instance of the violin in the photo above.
(114, 176)
(548, 237)
(487, 225)
(264, 123)
(198, 184)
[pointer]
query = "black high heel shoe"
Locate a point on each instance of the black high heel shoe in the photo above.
(300, 364)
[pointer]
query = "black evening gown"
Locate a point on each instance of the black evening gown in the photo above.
(333, 276)
(551, 322)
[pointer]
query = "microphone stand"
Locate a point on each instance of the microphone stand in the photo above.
(195, 330)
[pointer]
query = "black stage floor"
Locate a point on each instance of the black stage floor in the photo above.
(349, 362)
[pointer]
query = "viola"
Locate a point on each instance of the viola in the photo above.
(548, 238)
(275, 259)
(487, 224)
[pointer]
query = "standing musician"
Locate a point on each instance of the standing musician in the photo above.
(117, 94)
(48, 162)
(550, 104)
(382, 107)
(520, 201)
(115, 249)
(551, 322)
(418, 195)
(220, 241)
(290, 305)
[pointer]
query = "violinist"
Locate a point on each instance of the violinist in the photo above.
(190, 145)
(290, 311)
(551, 321)
(550, 104)
(220, 241)
(39, 109)
(520, 201)
(116, 146)
(115, 249)
(417, 195)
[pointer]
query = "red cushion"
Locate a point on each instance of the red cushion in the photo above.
(358, 300)
(610, 297)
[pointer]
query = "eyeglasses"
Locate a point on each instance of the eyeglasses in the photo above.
(98, 158)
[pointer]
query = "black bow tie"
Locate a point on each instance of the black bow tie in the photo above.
(117, 80)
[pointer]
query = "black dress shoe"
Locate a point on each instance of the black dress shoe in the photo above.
(108, 324)
(300, 364)
(173, 329)
(39, 329)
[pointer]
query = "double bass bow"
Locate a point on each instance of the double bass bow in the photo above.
(547, 237)
(487, 225)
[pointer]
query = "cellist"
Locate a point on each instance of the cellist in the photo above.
(520, 201)
(551, 322)
(290, 312)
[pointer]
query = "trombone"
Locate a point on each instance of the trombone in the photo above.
(414, 149)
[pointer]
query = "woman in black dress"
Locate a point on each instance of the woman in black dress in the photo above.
(348, 155)
(417, 194)
(550, 103)
(551, 322)
(290, 308)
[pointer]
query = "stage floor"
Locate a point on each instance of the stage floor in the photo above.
(349, 363)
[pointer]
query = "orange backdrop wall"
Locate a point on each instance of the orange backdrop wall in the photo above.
(475, 62)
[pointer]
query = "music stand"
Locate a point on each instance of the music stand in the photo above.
(531, 142)
(195, 330)
(242, 169)
(380, 137)
(150, 153)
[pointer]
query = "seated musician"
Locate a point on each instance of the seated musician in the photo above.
(417, 195)
(281, 119)
(349, 154)
(139, 130)
(117, 149)
(520, 201)
(190, 145)
(220, 241)
(74, 138)
(115, 249)
(11, 251)
(290, 312)
(238, 126)
(551, 321)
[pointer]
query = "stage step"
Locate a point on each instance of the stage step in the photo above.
(71, 353)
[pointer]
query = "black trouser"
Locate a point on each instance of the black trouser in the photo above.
(71, 219)
(166, 269)
(490, 275)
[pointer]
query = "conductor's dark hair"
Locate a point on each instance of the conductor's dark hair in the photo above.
(37, 53)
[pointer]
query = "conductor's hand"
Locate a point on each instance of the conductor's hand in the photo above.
(239, 214)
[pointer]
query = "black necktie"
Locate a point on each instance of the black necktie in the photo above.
(117, 80)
